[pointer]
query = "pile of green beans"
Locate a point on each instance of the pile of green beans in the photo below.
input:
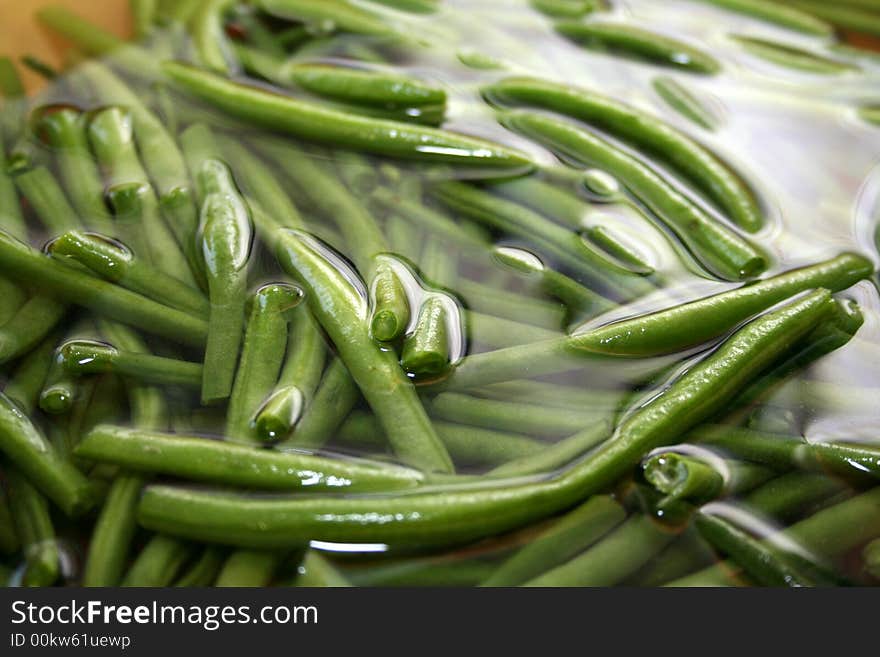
(276, 275)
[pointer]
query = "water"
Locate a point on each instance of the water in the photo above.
(795, 138)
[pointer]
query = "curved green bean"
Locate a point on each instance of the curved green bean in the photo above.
(683, 101)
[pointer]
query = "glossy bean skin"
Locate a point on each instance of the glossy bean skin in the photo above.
(33, 526)
(249, 568)
(22, 262)
(683, 101)
(334, 128)
(341, 311)
(265, 342)
(640, 44)
(696, 162)
(680, 477)
(343, 15)
(720, 249)
(238, 464)
(455, 516)
(31, 323)
(81, 357)
(773, 13)
(336, 394)
(159, 562)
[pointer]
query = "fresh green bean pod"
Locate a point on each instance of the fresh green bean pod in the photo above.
(115, 263)
(787, 497)
(48, 200)
(507, 416)
(316, 571)
(682, 478)
(160, 155)
(682, 100)
(718, 248)
(616, 556)
(563, 245)
(497, 333)
(792, 57)
(627, 41)
(26, 380)
(564, 8)
(771, 12)
(336, 395)
(111, 132)
(60, 388)
(492, 300)
(205, 570)
(14, 100)
(238, 465)
(365, 87)
(762, 564)
(849, 18)
(64, 129)
(644, 131)
(426, 350)
(413, 6)
(209, 36)
(82, 357)
(159, 562)
(265, 342)
(226, 236)
(467, 445)
(249, 568)
(113, 532)
(36, 319)
(339, 14)
(455, 516)
(315, 123)
(341, 310)
(551, 394)
(33, 526)
(390, 313)
(30, 452)
(23, 263)
(558, 455)
(563, 540)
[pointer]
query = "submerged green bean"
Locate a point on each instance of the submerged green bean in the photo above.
(454, 516)
(340, 14)
(628, 41)
(792, 57)
(772, 13)
(81, 357)
(644, 131)
(683, 101)
(34, 529)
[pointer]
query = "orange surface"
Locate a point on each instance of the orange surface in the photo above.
(20, 33)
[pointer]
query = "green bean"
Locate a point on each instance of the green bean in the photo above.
(341, 310)
(413, 6)
(160, 155)
(34, 456)
(9, 543)
(564, 8)
(81, 357)
(315, 123)
(507, 416)
(11, 217)
(40, 67)
(115, 263)
(265, 341)
(828, 533)
(786, 497)
(336, 395)
(48, 201)
(680, 477)
(204, 571)
(563, 245)
(298, 381)
(639, 44)
(466, 444)
(14, 99)
(450, 516)
(792, 57)
(645, 132)
(143, 14)
(564, 539)
(498, 333)
(111, 132)
(579, 300)
(249, 568)
(159, 562)
(432, 220)
(64, 129)
(226, 236)
(845, 17)
(718, 248)
(547, 199)
(551, 394)
(316, 571)
(426, 350)
(33, 526)
(93, 40)
(557, 455)
(29, 326)
(616, 556)
(113, 532)
(339, 14)
(391, 314)
(763, 565)
(365, 87)
(209, 36)
(60, 388)
(26, 381)
(620, 252)
(682, 100)
(773, 13)
(239, 465)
